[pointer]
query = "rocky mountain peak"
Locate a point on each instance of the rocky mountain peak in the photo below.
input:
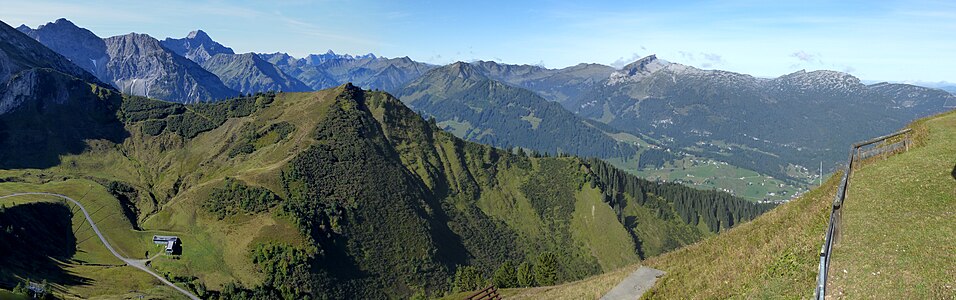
(61, 27)
(77, 44)
(22, 54)
(196, 46)
(637, 70)
(463, 70)
(644, 65)
(198, 34)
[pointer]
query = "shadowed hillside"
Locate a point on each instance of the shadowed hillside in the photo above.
(35, 240)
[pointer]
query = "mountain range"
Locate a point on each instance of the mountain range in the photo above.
(133, 63)
(196, 46)
(330, 69)
(338, 193)
(343, 190)
(677, 110)
(246, 73)
(475, 107)
(139, 64)
(769, 125)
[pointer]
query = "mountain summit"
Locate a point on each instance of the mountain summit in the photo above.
(639, 69)
(134, 63)
(198, 34)
(140, 65)
(79, 45)
(196, 46)
(249, 73)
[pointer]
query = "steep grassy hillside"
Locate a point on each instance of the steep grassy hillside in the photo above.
(893, 223)
(898, 236)
(346, 193)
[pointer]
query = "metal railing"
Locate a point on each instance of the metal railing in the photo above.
(883, 145)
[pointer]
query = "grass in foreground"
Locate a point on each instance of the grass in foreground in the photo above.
(774, 256)
(899, 223)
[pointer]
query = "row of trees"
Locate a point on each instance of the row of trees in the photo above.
(543, 271)
(188, 120)
(718, 210)
(654, 158)
(41, 290)
(235, 197)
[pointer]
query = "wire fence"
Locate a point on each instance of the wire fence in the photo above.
(880, 146)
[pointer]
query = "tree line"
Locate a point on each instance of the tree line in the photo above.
(718, 210)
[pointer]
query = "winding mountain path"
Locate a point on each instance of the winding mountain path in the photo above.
(136, 263)
(634, 285)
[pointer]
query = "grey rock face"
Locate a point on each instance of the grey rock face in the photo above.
(134, 63)
(197, 46)
(79, 45)
(139, 65)
(20, 58)
(22, 52)
(249, 73)
(367, 71)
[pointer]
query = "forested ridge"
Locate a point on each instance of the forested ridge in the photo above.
(421, 212)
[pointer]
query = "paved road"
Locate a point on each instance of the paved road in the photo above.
(634, 285)
(136, 263)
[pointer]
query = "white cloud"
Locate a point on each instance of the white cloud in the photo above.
(622, 61)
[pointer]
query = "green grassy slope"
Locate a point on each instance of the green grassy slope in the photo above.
(161, 168)
(88, 269)
(899, 235)
(775, 256)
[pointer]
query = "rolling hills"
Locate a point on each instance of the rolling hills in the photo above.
(687, 121)
(441, 198)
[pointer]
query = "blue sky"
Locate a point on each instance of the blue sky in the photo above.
(912, 40)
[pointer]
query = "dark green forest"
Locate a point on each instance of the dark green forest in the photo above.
(718, 210)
